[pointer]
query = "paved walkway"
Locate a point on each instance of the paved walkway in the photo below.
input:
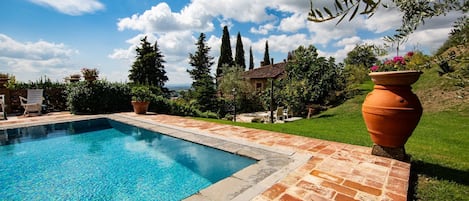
(336, 171)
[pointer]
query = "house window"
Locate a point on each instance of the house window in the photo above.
(258, 86)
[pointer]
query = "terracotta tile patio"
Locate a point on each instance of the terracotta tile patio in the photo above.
(336, 171)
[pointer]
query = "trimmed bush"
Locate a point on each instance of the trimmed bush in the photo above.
(98, 97)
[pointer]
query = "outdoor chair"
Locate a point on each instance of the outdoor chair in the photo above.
(3, 113)
(34, 101)
(285, 112)
(279, 114)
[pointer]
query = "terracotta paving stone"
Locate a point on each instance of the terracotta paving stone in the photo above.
(374, 183)
(327, 151)
(366, 196)
(274, 191)
(297, 192)
(394, 197)
(288, 197)
(400, 164)
(342, 197)
(383, 162)
(327, 176)
(398, 172)
(292, 178)
(397, 185)
(363, 188)
(315, 197)
(326, 192)
(336, 171)
(317, 147)
(339, 188)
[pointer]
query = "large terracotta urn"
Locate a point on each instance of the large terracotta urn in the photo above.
(140, 107)
(392, 111)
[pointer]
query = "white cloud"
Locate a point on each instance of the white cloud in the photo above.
(279, 46)
(384, 20)
(40, 50)
(293, 23)
(29, 61)
(160, 19)
(239, 10)
(348, 41)
(430, 39)
(263, 29)
(72, 7)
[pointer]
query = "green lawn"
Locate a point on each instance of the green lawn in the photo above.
(439, 146)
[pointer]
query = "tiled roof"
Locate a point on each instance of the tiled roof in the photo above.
(267, 71)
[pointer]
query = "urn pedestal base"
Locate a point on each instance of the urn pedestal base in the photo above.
(397, 153)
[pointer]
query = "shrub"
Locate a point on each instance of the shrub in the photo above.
(142, 93)
(99, 97)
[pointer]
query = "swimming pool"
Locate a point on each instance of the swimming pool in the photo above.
(103, 159)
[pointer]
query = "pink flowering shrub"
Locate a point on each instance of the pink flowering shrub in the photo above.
(395, 64)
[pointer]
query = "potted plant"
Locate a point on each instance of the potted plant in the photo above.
(90, 74)
(141, 97)
(392, 111)
(74, 77)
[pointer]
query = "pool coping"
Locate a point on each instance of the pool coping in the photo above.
(272, 164)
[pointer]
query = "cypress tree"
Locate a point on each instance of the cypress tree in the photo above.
(203, 84)
(148, 67)
(239, 55)
(266, 54)
(226, 57)
(251, 59)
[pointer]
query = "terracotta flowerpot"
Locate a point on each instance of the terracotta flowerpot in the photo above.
(392, 111)
(140, 107)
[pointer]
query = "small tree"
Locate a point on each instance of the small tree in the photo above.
(310, 79)
(239, 55)
(247, 99)
(251, 59)
(148, 67)
(203, 86)
(266, 54)
(363, 55)
(358, 63)
(226, 57)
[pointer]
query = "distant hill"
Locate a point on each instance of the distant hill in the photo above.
(178, 87)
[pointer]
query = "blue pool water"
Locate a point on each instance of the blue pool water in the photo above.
(106, 160)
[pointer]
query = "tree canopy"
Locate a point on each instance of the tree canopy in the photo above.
(203, 84)
(363, 56)
(148, 67)
(310, 79)
(251, 59)
(266, 54)
(239, 54)
(226, 56)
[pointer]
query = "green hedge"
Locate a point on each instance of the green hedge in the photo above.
(103, 97)
(165, 106)
(98, 97)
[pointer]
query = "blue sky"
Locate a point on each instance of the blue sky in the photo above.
(57, 38)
